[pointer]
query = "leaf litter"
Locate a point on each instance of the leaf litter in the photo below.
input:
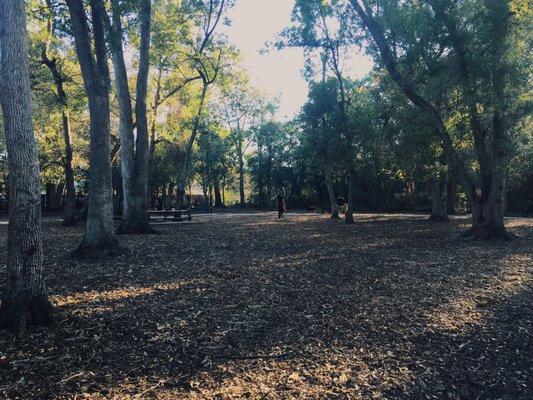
(249, 307)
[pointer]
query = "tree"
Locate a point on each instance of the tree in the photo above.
(24, 300)
(321, 133)
(207, 59)
(99, 239)
(241, 108)
(414, 28)
(313, 28)
(134, 149)
(60, 78)
(211, 161)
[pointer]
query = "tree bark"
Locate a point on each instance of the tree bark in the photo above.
(331, 193)
(134, 151)
(348, 217)
(438, 187)
(69, 218)
(218, 195)
(24, 301)
(99, 240)
(242, 199)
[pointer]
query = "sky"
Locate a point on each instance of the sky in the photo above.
(255, 22)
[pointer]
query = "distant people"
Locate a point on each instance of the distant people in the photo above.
(159, 203)
(281, 206)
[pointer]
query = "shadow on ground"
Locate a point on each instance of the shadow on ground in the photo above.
(245, 306)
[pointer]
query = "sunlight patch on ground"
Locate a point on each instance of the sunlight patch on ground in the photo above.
(129, 292)
(474, 307)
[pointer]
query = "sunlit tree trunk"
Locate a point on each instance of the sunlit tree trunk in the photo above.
(186, 164)
(69, 218)
(24, 300)
(134, 149)
(99, 239)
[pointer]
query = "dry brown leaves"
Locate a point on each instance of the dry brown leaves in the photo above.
(246, 306)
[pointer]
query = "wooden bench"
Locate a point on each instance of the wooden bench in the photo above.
(175, 214)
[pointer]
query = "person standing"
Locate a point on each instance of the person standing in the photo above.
(281, 206)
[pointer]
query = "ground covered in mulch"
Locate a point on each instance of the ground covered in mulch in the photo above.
(248, 307)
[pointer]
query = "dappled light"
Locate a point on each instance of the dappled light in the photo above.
(266, 199)
(299, 309)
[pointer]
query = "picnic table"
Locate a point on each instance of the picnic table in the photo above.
(175, 215)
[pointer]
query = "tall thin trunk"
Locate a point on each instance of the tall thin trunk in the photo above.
(59, 78)
(69, 219)
(224, 190)
(153, 127)
(348, 217)
(99, 239)
(218, 196)
(331, 193)
(186, 165)
(134, 151)
(260, 180)
(242, 198)
(24, 300)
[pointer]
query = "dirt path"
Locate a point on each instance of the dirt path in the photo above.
(245, 306)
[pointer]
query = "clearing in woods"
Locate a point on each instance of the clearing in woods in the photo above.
(246, 306)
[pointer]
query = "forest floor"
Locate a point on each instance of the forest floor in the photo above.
(249, 307)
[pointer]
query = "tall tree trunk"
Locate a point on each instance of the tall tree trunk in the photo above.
(134, 150)
(218, 196)
(489, 218)
(260, 180)
(439, 188)
(224, 190)
(24, 300)
(99, 239)
(348, 217)
(69, 218)
(186, 165)
(331, 193)
(242, 199)
(451, 195)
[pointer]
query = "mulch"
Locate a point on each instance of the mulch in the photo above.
(249, 307)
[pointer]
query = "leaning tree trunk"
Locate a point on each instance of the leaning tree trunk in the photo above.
(99, 239)
(186, 165)
(348, 217)
(487, 210)
(438, 188)
(331, 194)
(69, 219)
(23, 300)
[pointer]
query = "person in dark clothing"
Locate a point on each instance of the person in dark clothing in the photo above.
(281, 206)
(160, 204)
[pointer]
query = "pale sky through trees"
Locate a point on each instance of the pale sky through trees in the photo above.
(254, 22)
